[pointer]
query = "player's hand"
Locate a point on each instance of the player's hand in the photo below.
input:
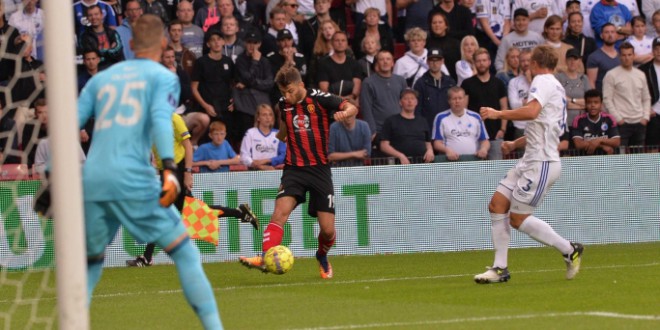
(507, 147)
(404, 160)
(451, 155)
(340, 116)
(360, 154)
(541, 13)
(171, 187)
(188, 181)
(499, 135)
(608, 150)
(210, 110)
(239, 86)
(256, 55)
(42, 199)
(230, 108)
(429, 156)
(482, 153)
(84, 137)
(489, 113)
(644, 122)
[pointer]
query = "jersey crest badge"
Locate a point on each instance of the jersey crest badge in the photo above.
(310, 108)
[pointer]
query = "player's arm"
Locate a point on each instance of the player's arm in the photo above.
(387, 148)
(580, 143)
(188, 162)
(281, 135)
(529, 111)
(504, 104)
(346, 110)
(86, 103)
(165, 99)
(509, 146)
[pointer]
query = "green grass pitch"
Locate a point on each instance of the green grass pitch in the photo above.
(617, 288)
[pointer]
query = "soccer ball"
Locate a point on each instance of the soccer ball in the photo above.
(278, 260)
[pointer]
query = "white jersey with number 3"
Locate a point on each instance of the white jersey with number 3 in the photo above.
(543, 133)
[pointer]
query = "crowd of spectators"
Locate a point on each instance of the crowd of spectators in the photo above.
(417, 70)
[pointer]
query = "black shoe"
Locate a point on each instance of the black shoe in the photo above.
(248, 216)
(140, 261)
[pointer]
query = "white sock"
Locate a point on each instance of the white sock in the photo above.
(542, 232)
(501, 231)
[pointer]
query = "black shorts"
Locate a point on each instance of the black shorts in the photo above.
(653, 131)
(317, 180)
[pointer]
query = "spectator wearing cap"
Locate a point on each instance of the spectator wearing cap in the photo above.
(521, 37)
(603, 59)
(539, 11)
(574, 36)
(612, 12)
(432, 88)
(211, 83)
(459, 133)
(338, 73)
(286, 54)
(652, 72)
(626, 97)
(277, 24)
(405, 136)
(575, 84)
(379, 98)
(254, 82)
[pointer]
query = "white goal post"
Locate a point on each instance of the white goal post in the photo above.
(66, 188)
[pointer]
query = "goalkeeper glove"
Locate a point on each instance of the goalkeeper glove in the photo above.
(42, 198)
(171, 187)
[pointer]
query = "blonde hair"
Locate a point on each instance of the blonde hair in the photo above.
(506, 67)
(415, 33)
(264, 107)
(465, 41)
(148, 32)
(321, 47)
(367, 38)
(372, 10)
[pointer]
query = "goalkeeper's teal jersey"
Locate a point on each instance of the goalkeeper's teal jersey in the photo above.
(132, 104)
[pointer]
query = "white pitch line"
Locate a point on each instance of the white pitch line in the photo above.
(333, 282)
(489, 319)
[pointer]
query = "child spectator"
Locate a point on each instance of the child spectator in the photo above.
(217, 155)
(260, 149)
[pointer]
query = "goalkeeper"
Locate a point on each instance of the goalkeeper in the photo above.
(183, 155)
(133, 102)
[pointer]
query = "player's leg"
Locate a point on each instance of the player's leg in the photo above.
(274, 232)
(500, 231)
(164, 226)
(532, 186)
(243, 212)
(327, 236)
(100, 229)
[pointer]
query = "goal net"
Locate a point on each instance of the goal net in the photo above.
(42, 279)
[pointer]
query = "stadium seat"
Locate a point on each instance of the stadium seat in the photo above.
(237, 168)
(399, 50)
(10, 172)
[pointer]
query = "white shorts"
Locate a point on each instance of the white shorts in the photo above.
(526, 184)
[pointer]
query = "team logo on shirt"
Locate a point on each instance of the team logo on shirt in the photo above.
(604, 127)
(310, 108)
(301, 122)
(533, 90)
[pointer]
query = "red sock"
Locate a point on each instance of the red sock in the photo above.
(325, 244)
(272, 236)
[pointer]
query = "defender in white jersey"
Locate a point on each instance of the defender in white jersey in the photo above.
(524, 186)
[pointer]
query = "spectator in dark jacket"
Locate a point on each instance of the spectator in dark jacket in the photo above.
(432, 88)
(100, 36)
(254, 81)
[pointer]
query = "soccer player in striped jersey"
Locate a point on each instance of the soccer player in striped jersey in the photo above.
(304, 123)
(525, 185)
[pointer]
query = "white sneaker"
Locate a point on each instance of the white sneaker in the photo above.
(493, 275)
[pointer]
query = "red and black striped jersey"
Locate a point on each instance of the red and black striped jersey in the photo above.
(307, 124)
